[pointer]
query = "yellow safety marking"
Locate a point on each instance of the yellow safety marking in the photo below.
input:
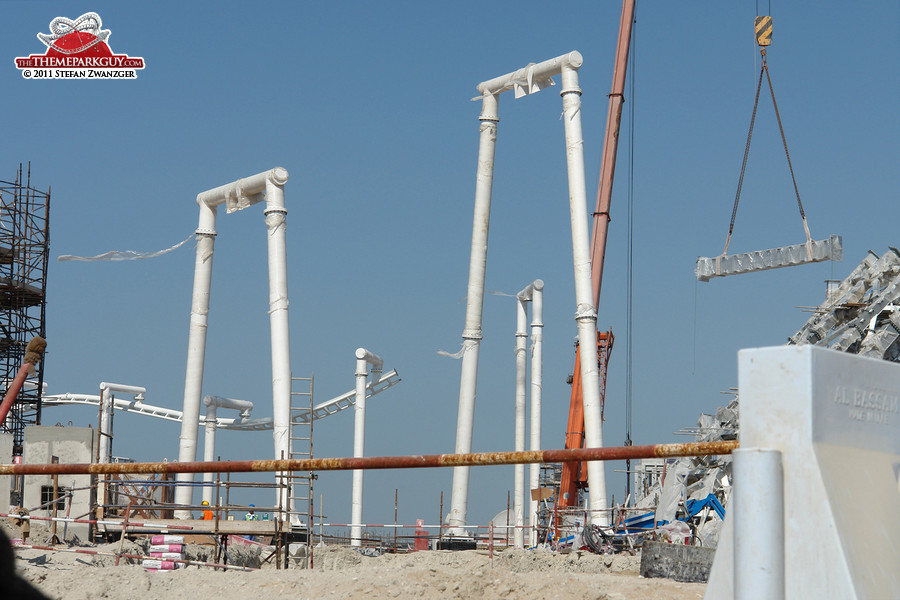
(763, 31)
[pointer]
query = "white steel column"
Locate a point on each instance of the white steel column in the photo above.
(209, 442)
(537, 342)
(209, 449)
(526, 80)
(236, 196)
(521, 392)
(363, 359)
(280, 327)
(474, 305)
(107, 403)
(106, 408)
(585, 312)
(193, 380)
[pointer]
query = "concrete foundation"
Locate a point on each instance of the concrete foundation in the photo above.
(71, 445)
(676, 561)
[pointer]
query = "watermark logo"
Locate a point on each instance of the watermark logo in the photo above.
(78, 49)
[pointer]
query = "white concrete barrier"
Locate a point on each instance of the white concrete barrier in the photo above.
(835, 417)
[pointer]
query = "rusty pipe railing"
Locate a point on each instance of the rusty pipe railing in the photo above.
(385, 462)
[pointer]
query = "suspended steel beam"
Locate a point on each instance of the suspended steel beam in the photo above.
(763, 260)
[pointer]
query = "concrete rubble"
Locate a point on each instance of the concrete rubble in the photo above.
(689, 482)
(860, 315)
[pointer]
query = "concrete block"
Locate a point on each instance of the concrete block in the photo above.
(676, 561)
(836, 419)
(72, 445)
(774, 258)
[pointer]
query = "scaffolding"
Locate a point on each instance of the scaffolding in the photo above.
(24, 252)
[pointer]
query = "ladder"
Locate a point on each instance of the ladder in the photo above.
(300, 484)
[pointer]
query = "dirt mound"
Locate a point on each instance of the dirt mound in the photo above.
(344, 573)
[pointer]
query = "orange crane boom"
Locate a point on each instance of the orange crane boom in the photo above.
(574, 475)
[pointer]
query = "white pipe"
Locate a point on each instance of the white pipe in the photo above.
(521, 392)
(537, 74)
(280, 327)
(236, 195)
(211, 423)
(209, 450)
(757, 507)
(105, 413)
(107, 400)
(134, 390)
(534, 73)
(363, 358)
(537, 343)
(474, 307)
(585, 312)
(193, 380)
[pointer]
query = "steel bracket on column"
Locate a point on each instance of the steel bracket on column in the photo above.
(775, 258)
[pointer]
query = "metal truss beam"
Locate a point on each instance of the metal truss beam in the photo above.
(763, 260)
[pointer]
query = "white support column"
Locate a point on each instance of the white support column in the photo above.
(521, 392)
(106, 404)
(526, 80)
(193, 381)
(474, 308)
(213, 403)
(238, 195)
(363, 359)
(585, 312)
(280, 327)
(209, 450)
(537, 342)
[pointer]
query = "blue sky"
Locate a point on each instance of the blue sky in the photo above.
(368, 107)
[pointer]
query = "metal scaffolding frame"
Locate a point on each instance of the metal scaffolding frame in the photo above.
(24, 253)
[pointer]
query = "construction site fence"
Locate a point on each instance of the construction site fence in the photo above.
(396, 541)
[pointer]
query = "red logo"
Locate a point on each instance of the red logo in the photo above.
(78, 49)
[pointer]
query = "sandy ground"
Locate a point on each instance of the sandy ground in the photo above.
(343, 573)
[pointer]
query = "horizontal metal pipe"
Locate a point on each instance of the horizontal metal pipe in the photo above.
(247, 187)
(539, 71)
(122, 389)
(385, 462)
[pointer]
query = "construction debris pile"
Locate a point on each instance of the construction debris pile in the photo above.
(860, 315)
(692, 489)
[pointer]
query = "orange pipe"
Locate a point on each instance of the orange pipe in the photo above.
(13, 391)
(384, 462)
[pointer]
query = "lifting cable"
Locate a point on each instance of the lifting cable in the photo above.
(763, 41)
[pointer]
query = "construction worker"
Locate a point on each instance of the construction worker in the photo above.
(251, 516)
(207, 512)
